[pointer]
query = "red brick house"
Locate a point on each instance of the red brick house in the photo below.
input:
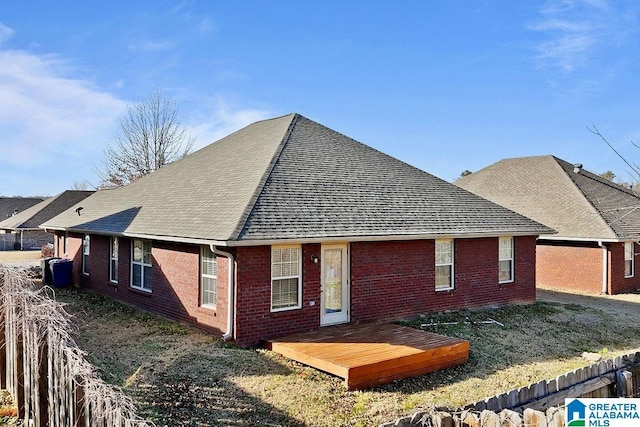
(286, 226)
(598, 221)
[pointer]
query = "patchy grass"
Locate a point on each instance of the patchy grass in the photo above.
(181, 376)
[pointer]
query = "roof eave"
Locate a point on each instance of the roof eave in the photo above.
(592, 239)
(173, 239)
(381, 238)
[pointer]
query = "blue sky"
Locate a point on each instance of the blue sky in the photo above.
(443, 85)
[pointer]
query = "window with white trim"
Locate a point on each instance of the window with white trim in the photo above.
(505, 263)
(286, 278)
(113, 260)
(141, 267)
(208, 278)
(64, 243)
(444, 264)
(629, 264)
(86, 251)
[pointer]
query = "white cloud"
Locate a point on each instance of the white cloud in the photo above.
(572, 32)
(53, 128)
(5, 33)
(152, 46)
(221, 121)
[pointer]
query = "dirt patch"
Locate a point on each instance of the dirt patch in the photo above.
(180, 376)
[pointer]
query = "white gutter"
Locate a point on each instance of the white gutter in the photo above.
(605, 268)
(231, 291)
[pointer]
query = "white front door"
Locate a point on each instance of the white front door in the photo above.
(334, 300)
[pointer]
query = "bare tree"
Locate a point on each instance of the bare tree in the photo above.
(635, 168)
(80, 185)
(150, 137)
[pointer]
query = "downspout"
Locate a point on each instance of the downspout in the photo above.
(231, 292)
(605, 268)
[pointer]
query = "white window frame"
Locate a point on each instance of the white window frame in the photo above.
(203, 276)
(113, 259)
(142, 265)
(64, 243)
(629, 256)
(297, 276)
(510, 259)
(86, 252)
(450, 264)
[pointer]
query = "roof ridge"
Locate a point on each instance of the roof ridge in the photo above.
(242, 222)
(577, 186)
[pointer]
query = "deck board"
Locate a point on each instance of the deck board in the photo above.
(371, 354)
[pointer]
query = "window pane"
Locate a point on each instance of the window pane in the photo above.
(506, 248)
(628, 250)
(137, 276)
(505, 271)
(284, 293)
(443, 276)
(208, 291)
(147, 253)
(113, 276)
(444, 253)
(147, 278)
(114, 248)
(137, 250)
(86, 245)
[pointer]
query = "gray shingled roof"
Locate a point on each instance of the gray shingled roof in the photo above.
(31, 218)
(578, 205)
(290, 178)
(9, 205)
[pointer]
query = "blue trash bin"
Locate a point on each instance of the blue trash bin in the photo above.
(46, 270)
(61, 272)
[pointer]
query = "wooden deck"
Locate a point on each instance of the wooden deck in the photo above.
(366, 355)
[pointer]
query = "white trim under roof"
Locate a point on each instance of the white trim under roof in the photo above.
(587, 239)
(294, 240)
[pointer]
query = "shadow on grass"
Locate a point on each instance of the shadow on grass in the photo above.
(177, 376)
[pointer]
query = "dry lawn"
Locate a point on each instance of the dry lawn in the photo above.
(180, 376)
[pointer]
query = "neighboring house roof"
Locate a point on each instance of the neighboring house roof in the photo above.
(12, 205)
(288, 179)
(31, 218)
(578, 205)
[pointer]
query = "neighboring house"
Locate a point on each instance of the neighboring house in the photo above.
(25, 225)
(598, 221)
(10, 206)
(286, 226)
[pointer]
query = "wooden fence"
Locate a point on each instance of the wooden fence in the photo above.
(47, 374)
(540, 404)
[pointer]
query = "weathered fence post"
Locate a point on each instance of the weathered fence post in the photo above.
(3, 344)
(43, 391)
(20, 374)
(624, 383)
(534, 418)
(555, 417)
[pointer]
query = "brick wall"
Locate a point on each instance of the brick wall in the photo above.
(396, 279)
(389, 280)
(254, 319)
(578, 266)
(617, 282)
(175, 280)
